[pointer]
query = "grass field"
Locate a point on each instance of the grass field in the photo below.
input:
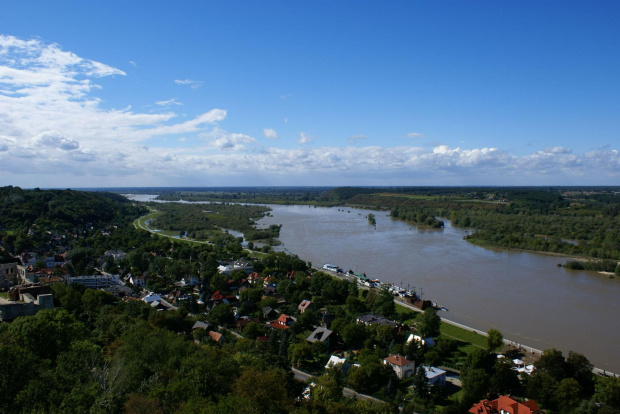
(463, 335)
(406, 311)
(409, 196)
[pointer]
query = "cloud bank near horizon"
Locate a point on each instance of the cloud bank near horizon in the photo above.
(55, 131)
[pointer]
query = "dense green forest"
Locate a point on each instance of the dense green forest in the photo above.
(43, 220)
(256, 195)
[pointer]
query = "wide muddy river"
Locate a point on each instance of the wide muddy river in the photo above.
(524, 295)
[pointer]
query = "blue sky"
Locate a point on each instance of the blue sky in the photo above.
(207, 93)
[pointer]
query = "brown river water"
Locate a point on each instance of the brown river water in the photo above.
(526, 296)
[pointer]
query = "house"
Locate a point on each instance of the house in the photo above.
(28, 258)
(56, 260)
(202, 325)
(401, 365)
(217, 337)
(246, 267)
(118, 290)
(371, 319)
(116, 254)
(424, 342)
(253, 277)
(435, 376)
(225, 268)
(162, 304)
(270, 289)
(305, 305)
(268, 313)
(320, 334)
(94, 281)
(137, 281)
(151, 297)
(335, 361)
(243, 321)
(283, 322)
(504, 405)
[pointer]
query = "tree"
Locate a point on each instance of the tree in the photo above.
(300, 353)
(504, 380)
(552, 361)
(384, 304)
(355, 305)
(429, 323)
(494, 339)
(384, 335)
(567, 394)
(475, 385)
(211, 370)
(354, 335)
(47, 333)
(542, 386)
(579, 368)
(221, 315)
(18, 367)
(371, 376)
(414, 351)
(265, 388)
(253, 295)
(608, 391)
(328, 387)
(421, 389)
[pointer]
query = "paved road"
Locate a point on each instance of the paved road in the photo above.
(347, 392)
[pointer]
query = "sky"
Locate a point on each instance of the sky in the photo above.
(287, 93)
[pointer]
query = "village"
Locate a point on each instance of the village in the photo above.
(251, 305)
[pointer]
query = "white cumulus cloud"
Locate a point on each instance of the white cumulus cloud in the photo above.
(57, 140)
(270, 133)
(304, 138)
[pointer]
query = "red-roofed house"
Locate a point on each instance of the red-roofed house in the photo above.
(253, 277)
(283, 322)
(217, 337)
(401, 365)
(504, 405)
(304, 305)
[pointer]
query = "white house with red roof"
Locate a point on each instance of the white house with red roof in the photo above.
(401, 365)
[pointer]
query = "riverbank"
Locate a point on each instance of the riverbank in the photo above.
(527, 353)
(509, 344)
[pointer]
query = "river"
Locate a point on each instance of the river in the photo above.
(524, 295)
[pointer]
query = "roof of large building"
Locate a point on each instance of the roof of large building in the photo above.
(398, 360)
(320, 334)
(504, 404)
